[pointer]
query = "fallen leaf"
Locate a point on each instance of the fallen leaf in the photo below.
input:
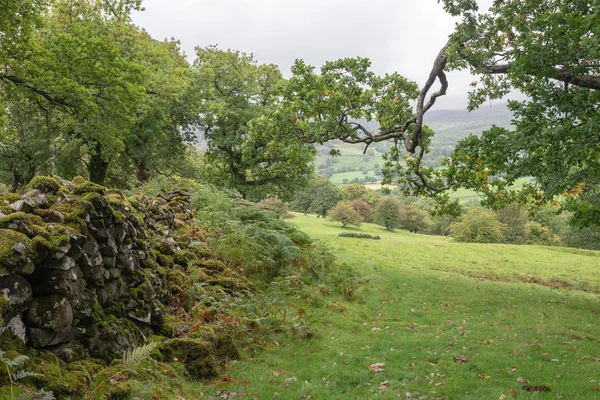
(384, 385)
(483, 376)
(377, 367)
(460, 359)
(502, 397)
(275, 373)
(514, 392)
(408, 395)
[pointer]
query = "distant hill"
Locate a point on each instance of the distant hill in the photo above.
(450, 127)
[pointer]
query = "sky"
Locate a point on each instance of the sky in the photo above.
(402, 36)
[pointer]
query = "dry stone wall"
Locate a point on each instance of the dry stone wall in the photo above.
(85, 271)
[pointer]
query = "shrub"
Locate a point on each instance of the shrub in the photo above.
(478, 225)
(515, 219)
(358, 235)
(274, 205)
(413, 219)
(540, 234)
(345, 214)
(363, 208)
(358, 191)
(387, 213)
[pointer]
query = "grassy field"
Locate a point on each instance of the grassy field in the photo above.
(465, 195)
(438, 320)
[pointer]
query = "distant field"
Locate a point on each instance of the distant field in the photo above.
(465, 195)
(437, 320)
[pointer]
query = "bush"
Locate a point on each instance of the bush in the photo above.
(515, 219)
(540, 234)
(358, 235)
(345, 214)
(363, 208)
(387, 213)
(413, 219)
(274, 205)
(478, 225)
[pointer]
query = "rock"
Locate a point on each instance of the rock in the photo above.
(198, 356)
(87, 307)
(64, 263)
(167, 246)
(44, 184)
(111, 338)
(67, 283)
(16, 290)
(115, 288)
(16, 327)
(35, 198)
(16, 253)
(39, 338)
(21, 206)
(128, 261)
(51, 312)
(66, 335)
(109, 262)
(69, 352)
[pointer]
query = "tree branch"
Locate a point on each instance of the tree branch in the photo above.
(584, 81)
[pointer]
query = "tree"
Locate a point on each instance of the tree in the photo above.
(515, 218)
(358, 191)
(548, 50)
(237, 94)
(345, 214)
(319, 196)
(413, 219)
(387, 213)
(274, 205)
(478, 225)
(363, 208)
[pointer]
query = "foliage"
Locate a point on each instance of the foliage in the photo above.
(478, 225)
(413, 219)
(14, 369)
(363, 208)
(237, 93)
(358, 235)
(344, 213)
(515, 218)
(540, 234)
(358, 191)
(387, 213)
(274, 205)
(319, 196)
(547, 50)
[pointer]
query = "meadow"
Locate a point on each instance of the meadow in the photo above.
(434, 319)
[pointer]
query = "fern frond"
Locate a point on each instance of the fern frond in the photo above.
(138, 355)
(17, 362)
(24, 374)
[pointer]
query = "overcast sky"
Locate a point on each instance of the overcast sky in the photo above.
(397, 35)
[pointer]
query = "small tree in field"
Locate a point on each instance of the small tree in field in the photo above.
(478, 225)
(345, 214)
(413, 219)
(363, 208)
(387, 213)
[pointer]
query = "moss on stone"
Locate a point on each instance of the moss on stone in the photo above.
(197, 355)
(44, 183)
(12, 197)
(88, 187)
(15, 250)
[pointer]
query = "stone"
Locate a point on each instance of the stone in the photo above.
(109, 262)
(110, 339)
(67, 283)
(197, 355)
(16, 290)
(35, 198)
(128, 261)
(38, 338)
(64, 263)
(51, 312)
(21, 206)
(16, 253)
(87, 305)
(16, 327)
(69, 352)
(115, 288)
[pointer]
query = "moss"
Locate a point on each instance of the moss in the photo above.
(214, 265)
(45, 184)
(184, 257)
(97, 200)
(165, 261)
(10, 344)
(53, 374)
(88, 187)
(79, 180)
(118, 216)
(12, 197)
(12, 258)
(29, 224)
(197, 355)
(4, 307)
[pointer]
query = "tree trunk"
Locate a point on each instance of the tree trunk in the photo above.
(98, 166)
(142, 171)
(16, 181)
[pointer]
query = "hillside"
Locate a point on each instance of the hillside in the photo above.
(437, 319)
(450, 127)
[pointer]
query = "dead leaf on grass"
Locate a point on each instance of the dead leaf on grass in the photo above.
(377, 367)
(460, 359)
(384, 385)
(537, 388)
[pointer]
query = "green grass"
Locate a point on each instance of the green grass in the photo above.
(338, 178)
(426, 303)
(465, 195)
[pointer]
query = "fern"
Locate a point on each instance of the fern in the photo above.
(24, 374)
(135, 357)
(17, 362)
